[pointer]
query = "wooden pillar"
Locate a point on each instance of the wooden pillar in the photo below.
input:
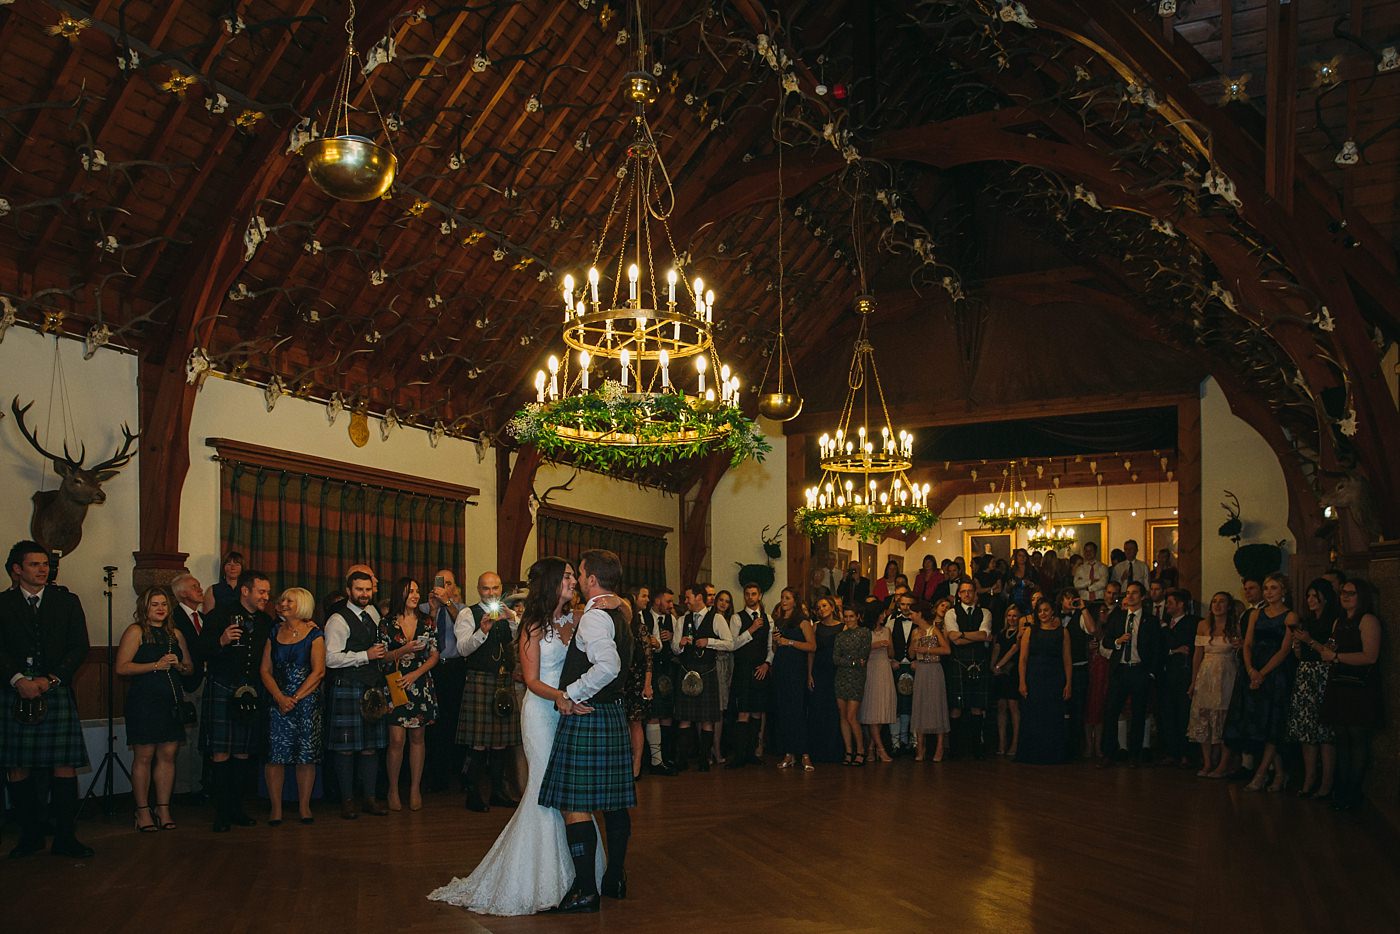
(166, 404)
(1189, 520)
(695, 517)
(514, 485)
(799, 549)
(1280, 145)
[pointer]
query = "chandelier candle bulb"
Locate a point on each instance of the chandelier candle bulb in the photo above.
(699, 298)
(632, 273)
(665, 361)
(671, 291)
(539, 385)
(626, 362)
(709, 306)
(700, 364)
(583, 361)
(593, 283)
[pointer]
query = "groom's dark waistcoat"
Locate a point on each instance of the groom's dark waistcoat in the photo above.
(576, 661)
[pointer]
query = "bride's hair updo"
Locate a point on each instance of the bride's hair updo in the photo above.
(543, 581)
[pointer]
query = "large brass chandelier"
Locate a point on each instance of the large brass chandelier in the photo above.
(864, 489)
(641, 382)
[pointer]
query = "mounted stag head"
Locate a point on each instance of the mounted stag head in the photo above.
(57, 523)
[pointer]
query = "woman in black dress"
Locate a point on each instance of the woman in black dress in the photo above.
(151, 652)
(793, 645)
(1045, 687)
(1006, 680)
(823, 716)
(1352, 704)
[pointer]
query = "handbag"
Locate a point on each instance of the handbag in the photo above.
(181, 709)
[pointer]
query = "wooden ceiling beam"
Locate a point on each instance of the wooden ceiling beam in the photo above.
(1281, 73)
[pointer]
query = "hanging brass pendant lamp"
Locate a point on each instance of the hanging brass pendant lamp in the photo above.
(344, 165)
(785, 403)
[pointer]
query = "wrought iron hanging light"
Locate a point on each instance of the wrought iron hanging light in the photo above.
(785, 402)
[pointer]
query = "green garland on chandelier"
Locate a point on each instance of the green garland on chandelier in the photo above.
(610, 428)
(863, 526)
(1009, 523)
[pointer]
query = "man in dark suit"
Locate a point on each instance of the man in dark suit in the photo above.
(43, 640)
(1136, 640)
(1173, 701)
(854, 588)
(189, 619)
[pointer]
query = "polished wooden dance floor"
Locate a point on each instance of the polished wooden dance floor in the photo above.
(958, 846)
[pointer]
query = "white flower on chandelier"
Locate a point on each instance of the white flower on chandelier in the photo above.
(612, 392)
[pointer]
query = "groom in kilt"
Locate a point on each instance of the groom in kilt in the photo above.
(590, 766)
(43, 640)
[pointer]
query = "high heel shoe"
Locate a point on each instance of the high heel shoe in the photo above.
(168, 823)
(883, 756)
(1255, 785)
(807, 765)
(787, 763)
(859, 760)
(145, 828)
(850, 759)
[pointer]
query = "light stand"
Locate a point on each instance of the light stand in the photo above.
(106, 770)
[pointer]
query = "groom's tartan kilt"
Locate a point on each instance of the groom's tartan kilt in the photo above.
(590, 766)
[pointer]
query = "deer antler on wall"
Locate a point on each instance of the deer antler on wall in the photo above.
(57, 522)
(541, 499)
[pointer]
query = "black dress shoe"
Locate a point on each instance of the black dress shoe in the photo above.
(615, 888)
(662, 768)
(578, 903)
(27, 848)
(72, 849)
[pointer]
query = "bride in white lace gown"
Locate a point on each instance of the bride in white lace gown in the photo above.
(528, 868)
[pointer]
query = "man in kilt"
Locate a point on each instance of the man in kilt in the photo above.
(590, 765)
(969, 629)
(354, 649)
(664, 683)
(43, 640)
(901, 658)
(487, 728)
(701, 633)
(753, 659)
(231, 646)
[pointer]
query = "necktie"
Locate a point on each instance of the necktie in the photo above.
(34, 603)
(1130, 572)
(1132, 627)
(447, 636)
(196, 622)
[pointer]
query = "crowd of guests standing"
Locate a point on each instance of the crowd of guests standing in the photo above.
(1054, 653)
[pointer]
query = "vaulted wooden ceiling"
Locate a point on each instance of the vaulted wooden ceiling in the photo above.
(1162, 184)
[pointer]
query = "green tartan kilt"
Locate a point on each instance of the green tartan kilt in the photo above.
(57, 740)
(478, 723)
(590, 766)
(348, 730)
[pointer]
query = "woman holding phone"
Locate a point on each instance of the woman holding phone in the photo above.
(413, 652)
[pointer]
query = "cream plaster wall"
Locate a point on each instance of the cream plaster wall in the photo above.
(749, 497)
(101, 394)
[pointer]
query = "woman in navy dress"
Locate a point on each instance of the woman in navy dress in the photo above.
(794, 642)
(823, 716)
(293, 667)
(1259, 715)
(152, 652)
(1045, 687)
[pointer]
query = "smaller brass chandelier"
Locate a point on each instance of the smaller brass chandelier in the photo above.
(344, 165)
(785, 402)
(1009, 511)
(1053, 537)
(864, 490)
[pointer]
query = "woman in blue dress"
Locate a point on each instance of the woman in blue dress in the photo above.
(293, 666)
(1045, 673)
(1258, 721)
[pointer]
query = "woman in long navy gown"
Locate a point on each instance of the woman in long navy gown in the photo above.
(1045, 687)
(793, 645)
(823, 716)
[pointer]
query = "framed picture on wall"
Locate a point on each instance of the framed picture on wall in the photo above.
(1089, 529)
(869, 554)
(978, 542)
(843, 559)
(1161, 533)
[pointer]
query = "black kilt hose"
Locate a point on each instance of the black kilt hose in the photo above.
(969, 678)
(479, 725)
(590, 765)
(54, 742)
(347, 730)
(223, 731)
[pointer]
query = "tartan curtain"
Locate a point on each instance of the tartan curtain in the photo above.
(304, 531)
(643, 556)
